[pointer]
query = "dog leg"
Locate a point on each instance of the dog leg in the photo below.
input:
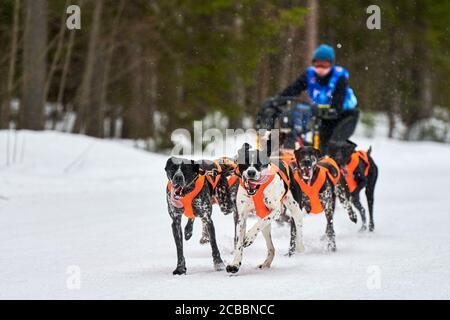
(223, 195)
(205, 234)
(369, 196)
(296, 243)
(178, 236)
(218, 263)
(261, 224)
(283, 216)
(370, 190)
(357, 203)
(329, 213)
(235, 219)
(292, 244)
(344, 195)
(270, 248)
(188, 229)
(244, 208)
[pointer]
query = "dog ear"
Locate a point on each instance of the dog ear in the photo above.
(195, 166)
(242, 153)
(351, 143)
(317, 153)
(170, 163)
(350, 146)
(266, 149)
(246, 147)
(297, 154)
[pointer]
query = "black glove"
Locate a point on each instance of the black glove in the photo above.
(269, 103)
(332, 113)
(327, 113)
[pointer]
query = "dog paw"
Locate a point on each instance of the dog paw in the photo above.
(353, 218)
(179, 271)
(204, 240)
(264, 266)
(331, 247)
(227, 212)
(363, 228)
(248, 242)
(219, 266)
(187, 236)
(371, 227)
(232, 268)
(290, 253)
(300, 248)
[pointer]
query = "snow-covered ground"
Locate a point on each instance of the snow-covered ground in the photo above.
(98, 207)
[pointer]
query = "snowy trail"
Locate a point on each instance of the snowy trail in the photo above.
(108, 216)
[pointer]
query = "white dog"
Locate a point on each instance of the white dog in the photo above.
(264, 189)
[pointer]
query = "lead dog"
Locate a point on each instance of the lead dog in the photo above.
(319, 180)
(263, 188)
(190, 192)
(359, 171)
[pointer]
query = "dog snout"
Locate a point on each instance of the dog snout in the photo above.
(251, 173)
(178, 179)
(306, 162)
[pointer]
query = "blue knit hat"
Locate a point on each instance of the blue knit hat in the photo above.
(324, 52)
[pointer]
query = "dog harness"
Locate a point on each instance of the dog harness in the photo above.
(351, 167)
(209, 175)
(232, 179)
(186, 200)
(312, 190)
(258, 198)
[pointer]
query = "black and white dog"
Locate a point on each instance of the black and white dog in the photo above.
(263, 189)
(219, 173)
(359, 171)
(191, 193)
(319, 180)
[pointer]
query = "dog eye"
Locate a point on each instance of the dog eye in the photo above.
(243, 167)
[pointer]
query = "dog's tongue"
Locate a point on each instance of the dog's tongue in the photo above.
(175, 202)
(306, 172)
(252, 184)
(264, 177)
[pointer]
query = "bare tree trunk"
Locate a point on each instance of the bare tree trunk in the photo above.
(264, 79)
(394, 106)
(104, 109)
(95, 116)
(57, 55)
(65, 71)
(420, 105)
(312, 28)
(239, 87)
(34, 65)
(153, 69)
(134, 116)
(5, 111)
(393, 101)
(286, 59)
(84, 101)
